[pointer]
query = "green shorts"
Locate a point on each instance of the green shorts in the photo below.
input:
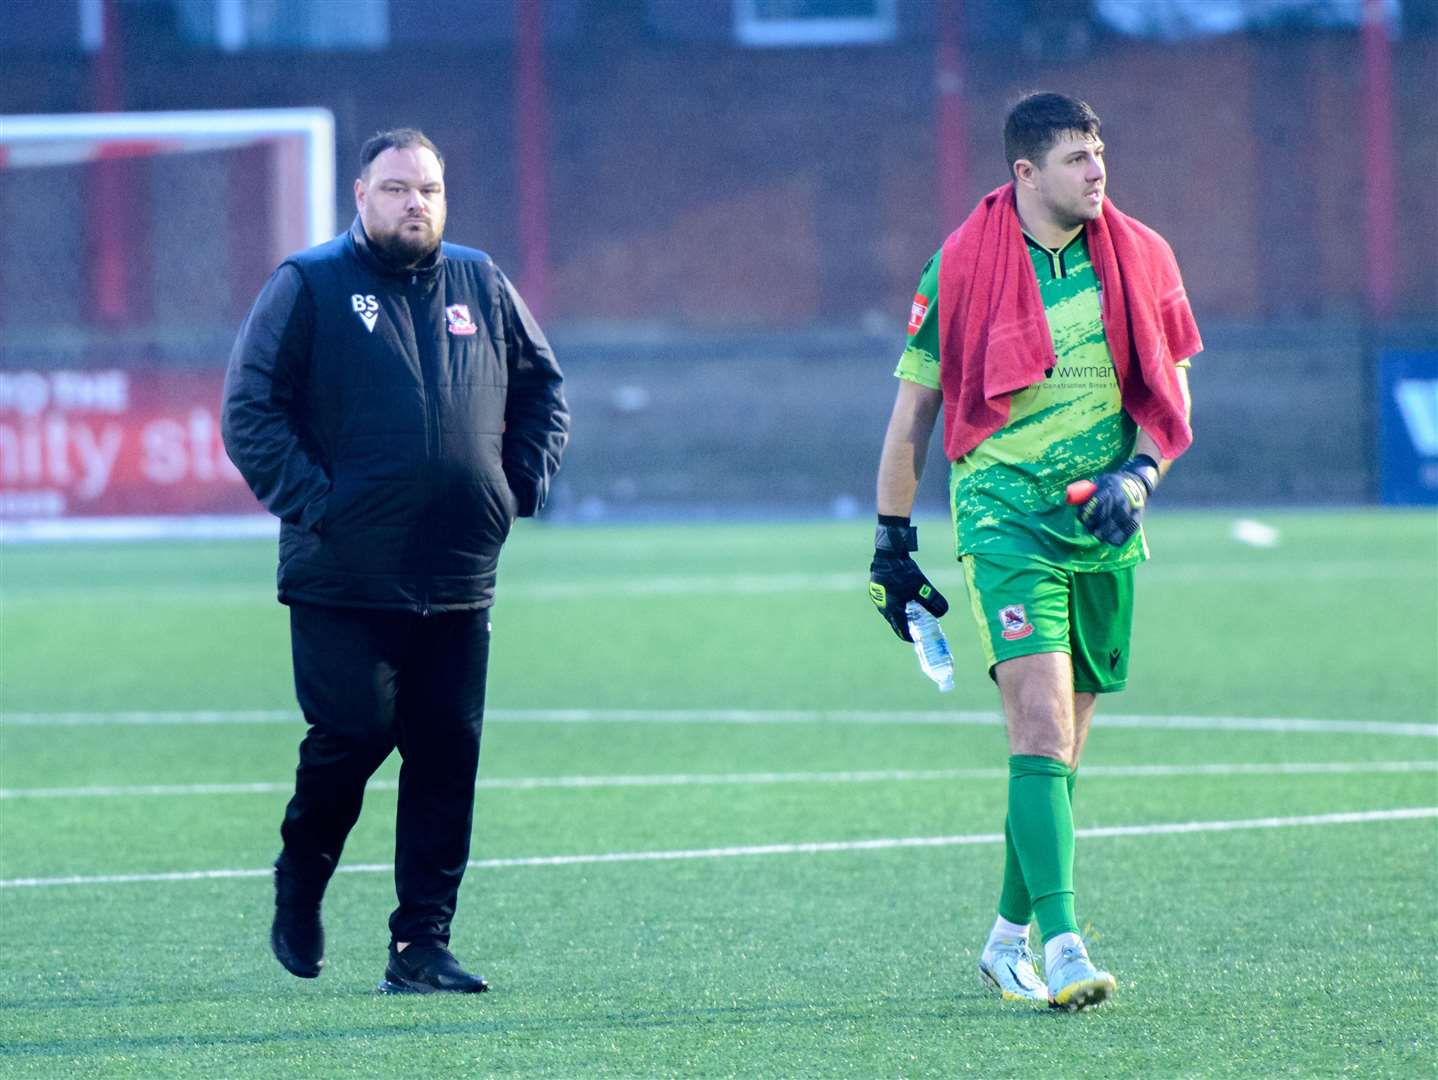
(1024, 607)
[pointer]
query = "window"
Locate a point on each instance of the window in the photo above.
(813, 22)
(236, 25)
(1173, 20)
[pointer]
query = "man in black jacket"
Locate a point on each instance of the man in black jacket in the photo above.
(391, 399)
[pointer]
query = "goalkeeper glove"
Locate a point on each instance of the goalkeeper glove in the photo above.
(895, 579)
(1115, 509)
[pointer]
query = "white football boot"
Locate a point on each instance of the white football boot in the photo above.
(1074, 983)
(1007, 965)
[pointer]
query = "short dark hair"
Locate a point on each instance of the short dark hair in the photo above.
(1037, 121)
(396, 139)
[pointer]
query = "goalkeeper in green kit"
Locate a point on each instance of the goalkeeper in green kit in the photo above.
(1055, 334)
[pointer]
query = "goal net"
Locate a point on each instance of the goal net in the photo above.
(133, 245)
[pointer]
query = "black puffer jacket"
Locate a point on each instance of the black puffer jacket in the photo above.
(396, 421)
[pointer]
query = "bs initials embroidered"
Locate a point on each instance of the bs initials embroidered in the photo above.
(367, 308)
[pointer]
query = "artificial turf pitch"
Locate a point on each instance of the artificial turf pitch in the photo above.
(724, 695)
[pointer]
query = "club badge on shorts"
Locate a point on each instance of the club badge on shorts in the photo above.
(459, 321)
(1015, 623)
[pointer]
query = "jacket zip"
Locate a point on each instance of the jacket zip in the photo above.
(429, 385)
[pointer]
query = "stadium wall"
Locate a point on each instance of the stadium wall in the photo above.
(708, 425)
(793, 425)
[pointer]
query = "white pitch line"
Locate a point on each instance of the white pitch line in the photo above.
(1284, 724)
(839, 581)
(811, 848)
(847, 581)
(862, 776)
(128, 718)
(916, 717)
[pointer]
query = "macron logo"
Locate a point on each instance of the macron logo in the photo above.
(367, 308)
(1418, 402)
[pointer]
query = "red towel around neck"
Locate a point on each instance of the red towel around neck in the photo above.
(994, 338)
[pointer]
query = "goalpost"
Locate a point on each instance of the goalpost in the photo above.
(69, 138)
(134, 244)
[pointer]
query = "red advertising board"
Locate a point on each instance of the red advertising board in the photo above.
(115, 443)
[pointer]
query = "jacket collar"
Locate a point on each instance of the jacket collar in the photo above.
(375, 261)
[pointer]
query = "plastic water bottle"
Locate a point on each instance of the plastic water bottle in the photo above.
(929, 642)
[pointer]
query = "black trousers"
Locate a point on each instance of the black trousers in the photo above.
(369, 682)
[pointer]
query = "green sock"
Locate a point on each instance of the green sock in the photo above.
(1041, 820)
(1014, 902)
(1073, 776)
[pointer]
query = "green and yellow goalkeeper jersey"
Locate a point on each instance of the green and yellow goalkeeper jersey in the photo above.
(1007, 494)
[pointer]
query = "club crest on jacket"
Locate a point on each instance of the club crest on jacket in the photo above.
(459, 321)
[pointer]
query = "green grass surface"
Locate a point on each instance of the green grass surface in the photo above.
(1306, 950)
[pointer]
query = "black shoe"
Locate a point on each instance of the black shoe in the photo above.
(427, 967)
(297, 936)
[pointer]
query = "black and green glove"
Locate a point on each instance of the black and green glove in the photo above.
(1115, 509)
(895, 579)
